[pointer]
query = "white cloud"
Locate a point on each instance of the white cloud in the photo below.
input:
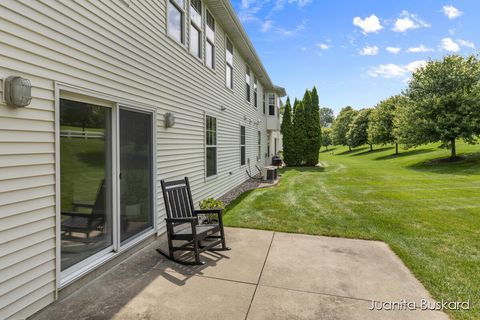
(280, 4)
(466, 43)
(451, 12)
(448, 44)
(266, 25)
(391, 70)
(290, 32)
(408, 21)
(418, 49)
(369, 51)
(301, 3)
(369, 24)
(323, 46)
(412, 66)
(393, 50)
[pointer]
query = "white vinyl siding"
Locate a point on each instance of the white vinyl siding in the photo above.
(124, 53)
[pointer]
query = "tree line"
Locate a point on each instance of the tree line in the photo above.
(441, 103)
(301, 130)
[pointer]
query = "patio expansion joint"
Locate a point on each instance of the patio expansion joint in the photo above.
(260, 276)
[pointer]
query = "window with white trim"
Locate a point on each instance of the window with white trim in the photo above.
(211, 145)
(175, 20)
(271, 104)
(210, 41)
(264, 102)
(247, 83)
(195, 36)
(255, 92)
(229, 64)
(243, 150)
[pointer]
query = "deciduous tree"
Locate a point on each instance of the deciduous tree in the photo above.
(442, 104)
(326, 137)
(341, 125)
(357, 134)
(380, 126)
(326, 117)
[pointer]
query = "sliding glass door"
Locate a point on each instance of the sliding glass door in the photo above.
(85, 180)
(106, 180)
(136, 199)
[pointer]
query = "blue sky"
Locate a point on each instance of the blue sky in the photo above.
(356, 52)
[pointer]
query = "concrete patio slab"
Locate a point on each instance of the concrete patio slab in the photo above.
(280, 304)
(239, 264)
(343, 267)
(266, 275)
(198, 298)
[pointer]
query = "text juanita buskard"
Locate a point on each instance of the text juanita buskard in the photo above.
(423, 304)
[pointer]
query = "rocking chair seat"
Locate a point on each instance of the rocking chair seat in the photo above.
(203, 231)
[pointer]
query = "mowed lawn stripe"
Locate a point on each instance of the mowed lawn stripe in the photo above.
(428, 211)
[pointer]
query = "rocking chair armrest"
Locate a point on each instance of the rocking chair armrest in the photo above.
(193, 220)
(76, 214)
(208, 211)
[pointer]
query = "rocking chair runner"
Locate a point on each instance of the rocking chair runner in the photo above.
(180, 214)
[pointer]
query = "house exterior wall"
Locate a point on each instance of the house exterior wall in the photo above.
(122, 52)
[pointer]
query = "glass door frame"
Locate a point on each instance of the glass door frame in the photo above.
(65, 91)
(141, 235)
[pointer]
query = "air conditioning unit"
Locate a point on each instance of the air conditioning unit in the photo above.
(269, 173)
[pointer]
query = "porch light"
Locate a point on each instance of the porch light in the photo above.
(169, 119)
(18, 91)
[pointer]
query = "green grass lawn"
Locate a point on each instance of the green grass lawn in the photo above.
(427, 211)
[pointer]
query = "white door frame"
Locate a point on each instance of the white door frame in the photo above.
(63, 278)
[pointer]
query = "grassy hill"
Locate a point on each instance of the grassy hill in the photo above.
(425, 208)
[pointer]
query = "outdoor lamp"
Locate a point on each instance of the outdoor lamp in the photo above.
(169, 119)
(18, 91)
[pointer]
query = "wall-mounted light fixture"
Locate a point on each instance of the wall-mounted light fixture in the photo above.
(169, 119)
(223, 108)
(17, 92)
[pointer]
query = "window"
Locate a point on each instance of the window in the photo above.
(259, 145)
(255, 97)
(175, 20)
(211, 145)
(271, 104)
(229, 64)
(195, 35)
(242, 145)
(263, 101)
(195, 43)
(210, 21)
(210, 55)
(247, 82)
(210, 40)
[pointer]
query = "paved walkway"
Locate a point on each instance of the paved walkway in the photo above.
(266, 275)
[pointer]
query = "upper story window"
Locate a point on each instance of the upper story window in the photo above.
(195, 35)
(247, 82)
(264, 102)
(175, 20)
(210, 41)
(255, 91)
(229, 63)
(211, 145)
(271, 104)
(243, 153)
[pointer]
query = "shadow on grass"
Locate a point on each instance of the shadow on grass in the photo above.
(237, 201)
(302, 169)
(351, 151)
(329, 150)
(94, 158)
(404, 154)
(466, 164)
(364, 153)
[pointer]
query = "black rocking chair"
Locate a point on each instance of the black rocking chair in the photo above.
(183, 224)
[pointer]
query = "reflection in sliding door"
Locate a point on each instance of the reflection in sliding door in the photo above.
(85, 180)
(136, 199)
